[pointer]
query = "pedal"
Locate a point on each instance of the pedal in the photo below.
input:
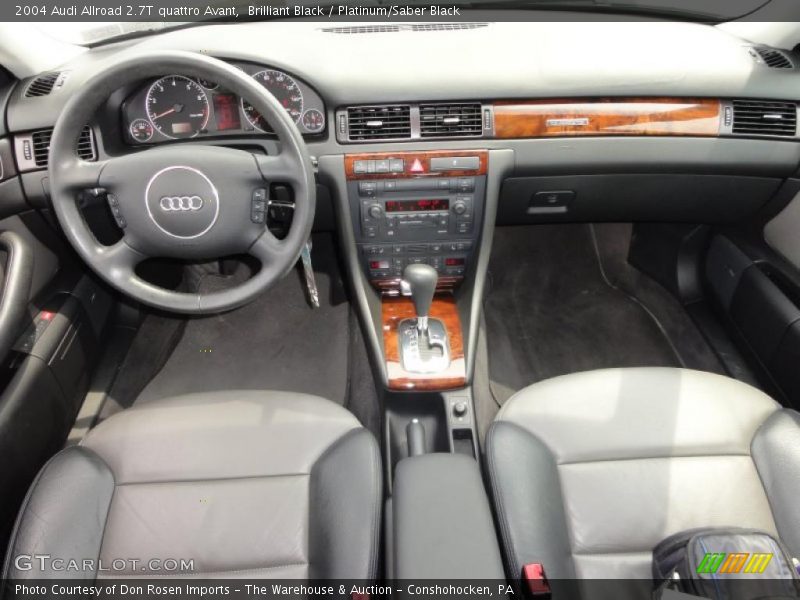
(308, 271)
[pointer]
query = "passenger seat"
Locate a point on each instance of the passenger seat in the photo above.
(590, 471)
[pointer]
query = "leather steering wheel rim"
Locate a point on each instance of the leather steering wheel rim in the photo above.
(232, 177)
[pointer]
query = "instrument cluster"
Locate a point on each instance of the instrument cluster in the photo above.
(178, 107)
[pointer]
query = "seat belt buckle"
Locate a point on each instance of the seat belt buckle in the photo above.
(537, 585)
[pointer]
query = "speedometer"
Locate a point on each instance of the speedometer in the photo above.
(285, 90)
(177, 106)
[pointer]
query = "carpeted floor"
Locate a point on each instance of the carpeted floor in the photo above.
(277, 342)
(562, 299)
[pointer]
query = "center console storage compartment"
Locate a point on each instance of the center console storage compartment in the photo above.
(439, 523)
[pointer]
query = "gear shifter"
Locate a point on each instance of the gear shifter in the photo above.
(421, 281)
(424, 347)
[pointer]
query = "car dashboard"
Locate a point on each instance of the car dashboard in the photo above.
(420, 152)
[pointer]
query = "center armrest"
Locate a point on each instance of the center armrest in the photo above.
(439, 521)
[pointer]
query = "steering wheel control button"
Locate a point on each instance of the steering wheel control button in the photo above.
(258, 206)
(182, 202)
(116, 211)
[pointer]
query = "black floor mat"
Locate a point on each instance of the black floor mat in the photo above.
(277, 342)
(552, 310)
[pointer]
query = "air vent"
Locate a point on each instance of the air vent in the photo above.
(756, 117)
(355, 29)
(447, 26)
(42, 85)
(362, 29)
(41, 146)
(450, 120)
(379, 122)
(774, 58)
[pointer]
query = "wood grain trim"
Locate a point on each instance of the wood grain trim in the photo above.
(611, 116)
(394, 310)
(410, 157)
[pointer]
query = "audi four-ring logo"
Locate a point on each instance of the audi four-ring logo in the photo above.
(180, 203)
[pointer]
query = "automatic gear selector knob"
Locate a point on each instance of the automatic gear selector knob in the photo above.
(421, 282)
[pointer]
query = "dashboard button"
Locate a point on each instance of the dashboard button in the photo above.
(397, 165)
(381, 166)
(455, 163)
(466, 184)
(360, 166)
(367, 188)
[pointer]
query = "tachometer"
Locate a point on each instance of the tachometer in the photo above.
(177, 106)
(285, 90)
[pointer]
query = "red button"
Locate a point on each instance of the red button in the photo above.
(46, 315)
(416, 167)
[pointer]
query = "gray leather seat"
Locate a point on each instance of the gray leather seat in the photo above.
(590, 471)
(245, 484)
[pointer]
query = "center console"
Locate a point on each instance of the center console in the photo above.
(416, 219)
(416, 208)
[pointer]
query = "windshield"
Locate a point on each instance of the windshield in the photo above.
(91, 33)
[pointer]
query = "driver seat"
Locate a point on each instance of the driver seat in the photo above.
(248, 484)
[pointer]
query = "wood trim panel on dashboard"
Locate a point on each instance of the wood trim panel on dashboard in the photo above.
(397, 308)
(409, 159)
(608, 116)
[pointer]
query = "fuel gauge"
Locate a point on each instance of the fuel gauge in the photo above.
(141, 130)
(313, 120)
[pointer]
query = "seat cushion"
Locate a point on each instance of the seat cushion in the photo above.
(244, 484)
(590, 471)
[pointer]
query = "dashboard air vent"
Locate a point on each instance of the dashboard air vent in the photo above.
(42, 85)
(757, 117)
(450, 120)
(354, 29)
(41, 146)
(379, 122)
(774, 58)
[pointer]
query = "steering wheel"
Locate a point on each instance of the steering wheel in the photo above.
(184, 201)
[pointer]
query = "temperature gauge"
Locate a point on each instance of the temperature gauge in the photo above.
(313, 120)
(141, 130)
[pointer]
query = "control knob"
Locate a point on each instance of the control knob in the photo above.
(375, 211)
(459, 207)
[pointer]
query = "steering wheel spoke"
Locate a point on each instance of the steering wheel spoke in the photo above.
(120, 260)
(82, 174)
(268, 249)
(279, 168)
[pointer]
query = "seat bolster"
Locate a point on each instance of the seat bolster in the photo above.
(345, 494)
(63, 515)
(776, 453)
(528, 501)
